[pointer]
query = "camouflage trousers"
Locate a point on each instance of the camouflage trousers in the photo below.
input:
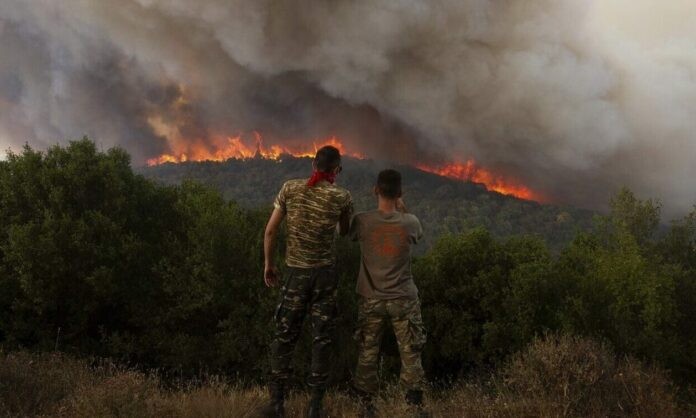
(305, 290)
(405, 317)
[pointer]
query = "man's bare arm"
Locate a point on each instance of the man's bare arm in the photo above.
(270, 272)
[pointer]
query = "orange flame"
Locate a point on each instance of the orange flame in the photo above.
(225, 148)
(470, 171)
(217, 149)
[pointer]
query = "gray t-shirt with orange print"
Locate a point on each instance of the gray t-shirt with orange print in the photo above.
(385, 243)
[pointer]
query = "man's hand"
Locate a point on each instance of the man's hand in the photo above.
(270, 276)
(270, 272)
(400, 205)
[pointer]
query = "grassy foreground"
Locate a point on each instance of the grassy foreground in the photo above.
(554, 377)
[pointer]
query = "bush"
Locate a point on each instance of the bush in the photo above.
(483, 299)
(32, 385)
(571, 376)
(123, 393)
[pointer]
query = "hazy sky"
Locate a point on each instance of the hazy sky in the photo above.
(575, 98)
(650, 22)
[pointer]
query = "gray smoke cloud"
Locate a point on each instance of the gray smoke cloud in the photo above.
(543, 91)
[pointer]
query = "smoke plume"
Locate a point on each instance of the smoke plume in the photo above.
(554, 93)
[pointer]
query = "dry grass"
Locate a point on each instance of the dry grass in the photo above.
(554, 377)
(569, 376)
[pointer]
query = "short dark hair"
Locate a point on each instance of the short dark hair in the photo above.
(327, 158)
(389, 184)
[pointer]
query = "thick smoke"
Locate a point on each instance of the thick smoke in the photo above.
(546, 91)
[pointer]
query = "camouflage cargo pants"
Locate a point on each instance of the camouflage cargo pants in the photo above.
(312, 290)
(405, 317)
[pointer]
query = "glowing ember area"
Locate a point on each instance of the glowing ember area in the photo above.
(470, 171)
(236, 148)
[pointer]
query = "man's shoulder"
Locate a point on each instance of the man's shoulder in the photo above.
(409, 217)
(365, 213)
(335, 193)
(292, 183)
(332, 191)
(340, 191)
(412, 221)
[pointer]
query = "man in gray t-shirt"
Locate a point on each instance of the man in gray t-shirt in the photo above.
(387, 292)
(385, 242)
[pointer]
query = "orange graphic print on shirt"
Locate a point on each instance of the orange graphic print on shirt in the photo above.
(388, 241)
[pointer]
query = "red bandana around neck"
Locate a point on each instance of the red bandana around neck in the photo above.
(318, 176)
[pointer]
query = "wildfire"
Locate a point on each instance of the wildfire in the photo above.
(235, 147)
(470, 171)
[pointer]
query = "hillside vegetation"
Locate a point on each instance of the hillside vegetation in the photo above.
(97, 260)
(444, 205)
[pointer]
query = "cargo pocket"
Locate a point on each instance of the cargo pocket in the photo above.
(365, 306)
(360, 323)
(283, 294)
(358, 334)
(277, 311)
(417, 330)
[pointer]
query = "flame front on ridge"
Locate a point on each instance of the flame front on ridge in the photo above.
(470, 171)
(234, 147)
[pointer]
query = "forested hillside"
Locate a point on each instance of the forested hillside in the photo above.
(444, 205)
(95, 259)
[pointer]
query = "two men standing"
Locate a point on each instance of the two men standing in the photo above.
(313, 209)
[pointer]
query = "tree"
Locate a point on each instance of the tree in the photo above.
(483, 299)
(633, 217)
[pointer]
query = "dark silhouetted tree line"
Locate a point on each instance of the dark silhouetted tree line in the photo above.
(98, 260)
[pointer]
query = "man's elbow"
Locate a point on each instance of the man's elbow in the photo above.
(270, 233)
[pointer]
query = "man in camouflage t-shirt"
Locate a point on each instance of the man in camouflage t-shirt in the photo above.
(312, 209)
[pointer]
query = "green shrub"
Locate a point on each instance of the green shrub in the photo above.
(483, 299)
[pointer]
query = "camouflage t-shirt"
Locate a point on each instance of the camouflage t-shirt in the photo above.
(312, 214)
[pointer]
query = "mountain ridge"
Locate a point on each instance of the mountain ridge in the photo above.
(443, 204)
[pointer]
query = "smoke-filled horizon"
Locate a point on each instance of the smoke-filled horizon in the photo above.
(573, 98)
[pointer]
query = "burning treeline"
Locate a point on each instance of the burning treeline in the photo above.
(180, 116)
(222, 148)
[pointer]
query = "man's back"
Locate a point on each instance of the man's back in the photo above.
(385, 243)
(311, 216)
(312, 209)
